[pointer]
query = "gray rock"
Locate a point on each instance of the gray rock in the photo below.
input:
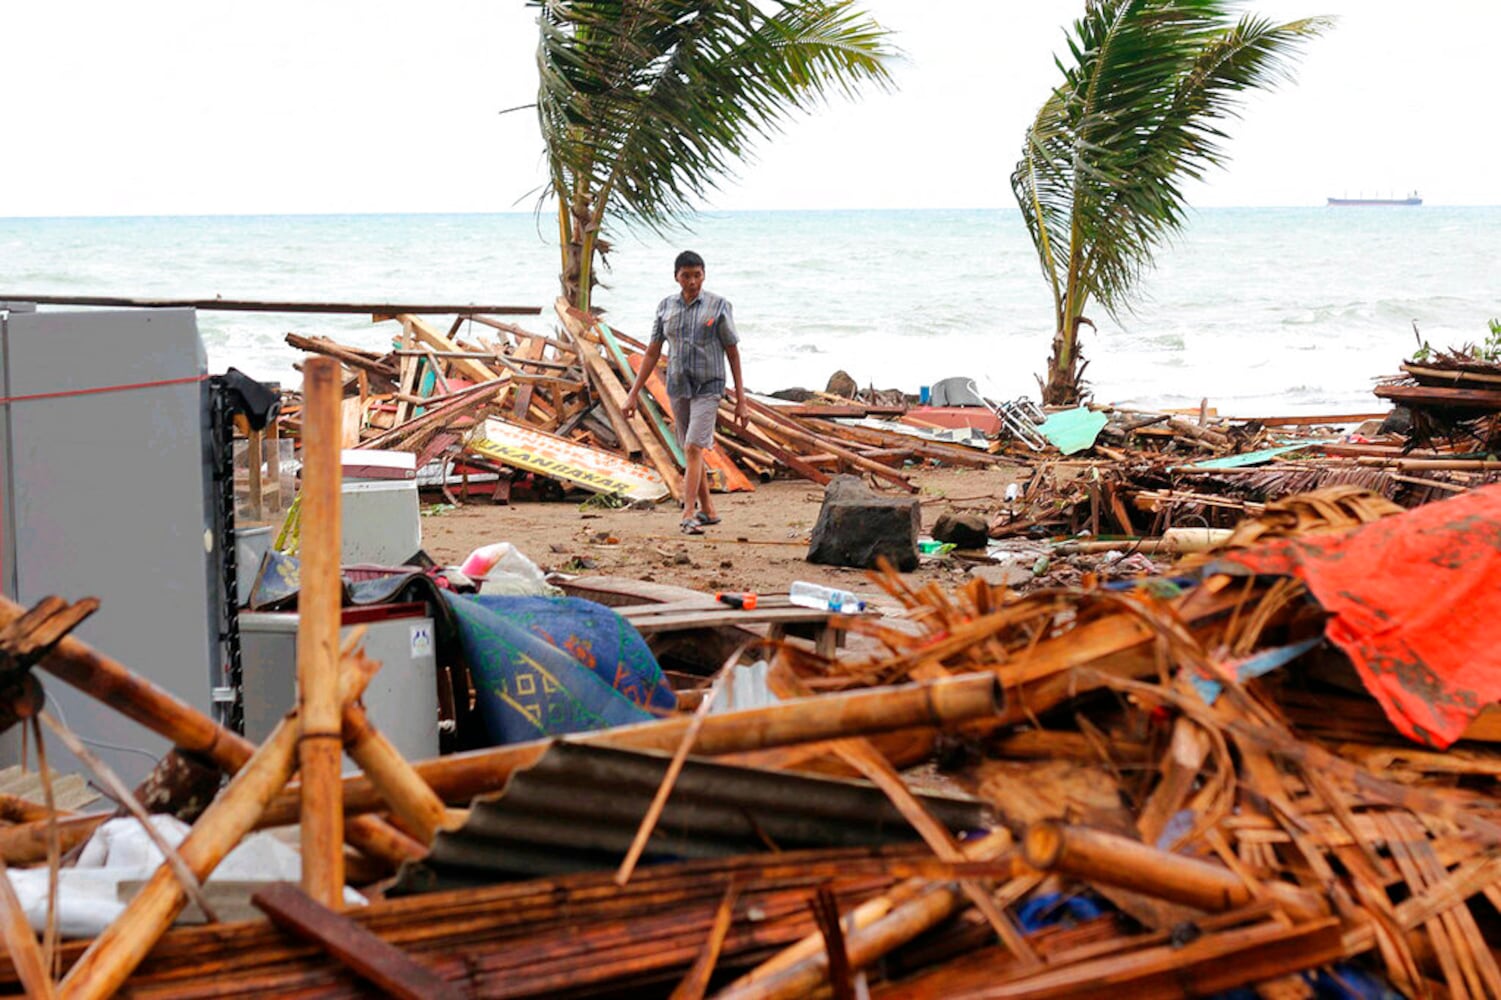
(797, 394)
(841, 384)
(856, 526)
(1399, 421)
(966, 531)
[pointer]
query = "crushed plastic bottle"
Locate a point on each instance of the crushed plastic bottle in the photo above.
(814, 595)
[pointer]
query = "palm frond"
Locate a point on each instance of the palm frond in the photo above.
(1141, 110)
(648, 104)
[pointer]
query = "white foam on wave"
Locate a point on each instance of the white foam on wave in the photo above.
(1270, 308)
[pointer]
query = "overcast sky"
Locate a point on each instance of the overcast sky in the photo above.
(168, 107)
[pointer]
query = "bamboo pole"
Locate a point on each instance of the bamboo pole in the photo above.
(320, 750)
(20, 942)
(941, 703)
(116, 953)
(1110, 859)
(409, 796)
(122, 794)
(933, 904)
(15, 809)
(674, 768)
(805, 954)
(1431, 464)
(134, 697)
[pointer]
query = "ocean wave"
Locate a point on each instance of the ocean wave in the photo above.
(1246, 307)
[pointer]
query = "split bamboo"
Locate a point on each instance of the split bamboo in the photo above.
(319, 752)
(799, 963)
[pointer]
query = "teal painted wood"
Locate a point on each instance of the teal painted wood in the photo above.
(1250, 457)
(426, 386)
(648, 405)
(1073, 430)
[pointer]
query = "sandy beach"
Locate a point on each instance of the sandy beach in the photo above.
(759, 545)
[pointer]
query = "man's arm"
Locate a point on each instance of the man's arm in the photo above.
(732, 354)
(648, 364)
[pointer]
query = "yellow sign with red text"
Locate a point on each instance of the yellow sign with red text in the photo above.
(523, 448)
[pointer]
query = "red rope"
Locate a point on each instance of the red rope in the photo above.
(7, 400)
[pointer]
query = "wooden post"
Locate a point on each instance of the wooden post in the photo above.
(253, 459)
(273, 460)
(395, 972)
(320, 753)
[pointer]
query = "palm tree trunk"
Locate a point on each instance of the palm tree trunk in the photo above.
(1062, 386)
(1065, 384)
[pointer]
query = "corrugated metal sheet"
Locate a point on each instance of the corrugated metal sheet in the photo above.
(579, 807)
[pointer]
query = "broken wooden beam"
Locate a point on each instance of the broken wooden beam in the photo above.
(396, 973)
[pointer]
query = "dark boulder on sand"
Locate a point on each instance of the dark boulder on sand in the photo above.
(856, 525)
(841, 384)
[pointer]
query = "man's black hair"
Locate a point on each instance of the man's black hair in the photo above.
(687, 259)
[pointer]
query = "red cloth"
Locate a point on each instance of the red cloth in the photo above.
(1416, 605)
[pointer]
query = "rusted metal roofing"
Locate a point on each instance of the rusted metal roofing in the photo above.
(579, 807)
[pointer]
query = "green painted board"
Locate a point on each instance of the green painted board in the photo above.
(648, 405)
(1249, 458)
(1073, 430)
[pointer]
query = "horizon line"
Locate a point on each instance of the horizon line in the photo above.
(700, 212)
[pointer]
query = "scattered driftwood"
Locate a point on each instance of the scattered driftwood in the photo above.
(1166, 822)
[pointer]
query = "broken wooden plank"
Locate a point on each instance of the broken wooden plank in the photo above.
(649, 405)
(385, 965)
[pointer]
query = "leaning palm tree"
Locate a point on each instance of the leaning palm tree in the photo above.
(1141, 109)
(645, 104)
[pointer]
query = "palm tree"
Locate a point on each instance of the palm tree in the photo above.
(645, 104)
(1141, 108)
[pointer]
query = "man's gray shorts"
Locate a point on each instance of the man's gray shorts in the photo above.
(693, 417)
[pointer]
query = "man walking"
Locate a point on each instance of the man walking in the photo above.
(699, 329)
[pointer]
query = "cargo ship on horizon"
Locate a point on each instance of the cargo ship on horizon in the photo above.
(1411, 199)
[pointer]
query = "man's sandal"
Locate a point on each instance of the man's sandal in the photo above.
(691, 527)
(705, 519)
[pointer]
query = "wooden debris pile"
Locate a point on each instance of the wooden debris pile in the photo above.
(551, 408)
(1189, 796)
(1454, 398)
(1219, 840)
(1147, 484)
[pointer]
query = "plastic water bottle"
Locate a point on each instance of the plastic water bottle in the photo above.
(814, 595)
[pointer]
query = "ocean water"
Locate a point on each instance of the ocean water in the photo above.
(1262, 310)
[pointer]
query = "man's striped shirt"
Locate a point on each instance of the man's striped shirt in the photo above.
(696, 333)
